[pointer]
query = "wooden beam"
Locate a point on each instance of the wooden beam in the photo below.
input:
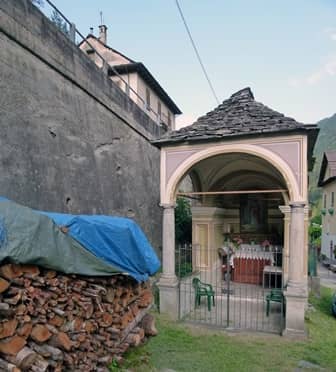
(270, 191)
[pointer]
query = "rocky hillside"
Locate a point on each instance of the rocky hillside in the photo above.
(325, 141)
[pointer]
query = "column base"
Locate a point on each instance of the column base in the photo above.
(169, 296)
(296, 300)
(294, 334)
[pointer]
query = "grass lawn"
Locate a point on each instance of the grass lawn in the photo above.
(188, 348)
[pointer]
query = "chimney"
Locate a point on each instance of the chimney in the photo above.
(103, 34)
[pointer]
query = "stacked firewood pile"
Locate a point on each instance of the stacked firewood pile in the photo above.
(50, 321)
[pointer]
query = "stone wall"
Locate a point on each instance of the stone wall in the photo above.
(70, 139)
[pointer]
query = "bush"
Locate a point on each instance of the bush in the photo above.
(183, 221)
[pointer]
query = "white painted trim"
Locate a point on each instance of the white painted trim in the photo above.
(250, 141)
(168, 192)
(304, 167)
(163, 173)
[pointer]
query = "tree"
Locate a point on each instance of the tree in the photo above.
(59, 22)
(183, 221)
(315, 230)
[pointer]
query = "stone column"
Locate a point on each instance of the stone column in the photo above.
(286, 210)
(168, 284)
(306, 227)
(297, 246)
(296, 293)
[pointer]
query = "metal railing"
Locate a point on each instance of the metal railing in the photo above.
(242, 287)
(73, 32)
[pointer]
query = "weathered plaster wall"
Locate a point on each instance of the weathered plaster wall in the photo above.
(70, 140)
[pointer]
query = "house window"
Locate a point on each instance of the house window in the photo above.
(332, 199)
(147, 99)
(325, 201)
(159, 110)
(169, 119)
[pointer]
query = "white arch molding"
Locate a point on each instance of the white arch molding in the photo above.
(168, 195)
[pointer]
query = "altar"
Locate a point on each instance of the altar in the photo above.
(248, 263)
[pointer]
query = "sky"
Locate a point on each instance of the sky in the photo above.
(284, 50)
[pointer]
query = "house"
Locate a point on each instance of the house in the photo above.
(137, 81)
(327, 180)
(249, 169)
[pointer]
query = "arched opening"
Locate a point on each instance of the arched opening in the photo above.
(238, 233)
(245, 189)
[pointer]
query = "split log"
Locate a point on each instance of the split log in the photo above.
(133, 339)
(25, 330)
(47, 351)
(24, 359)
(40, 365)
(135, 321)
(146, 298)
(58, 322)
(11, 271)
(148, 325)
(4, 284)
(32, 270)
(8, 328)
(40, 333)
(5, 310)
(12, 345)
(62, 341)
(13, 300)
(8, 367)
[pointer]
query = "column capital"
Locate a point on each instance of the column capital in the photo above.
(167, 205)
(297, 207)
(285, 209)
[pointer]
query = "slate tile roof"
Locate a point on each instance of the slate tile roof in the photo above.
(239, 115)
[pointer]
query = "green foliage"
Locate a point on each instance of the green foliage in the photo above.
(316, 220)
(114, 366)
(315, 231)
(59, 22)
(184, 269)
(183, 221)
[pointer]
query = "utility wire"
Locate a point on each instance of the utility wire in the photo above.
(196, 51)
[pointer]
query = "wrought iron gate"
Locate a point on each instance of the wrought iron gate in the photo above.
(228, 288)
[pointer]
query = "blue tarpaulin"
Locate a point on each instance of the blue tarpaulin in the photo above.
(115, 241)
(118, 241)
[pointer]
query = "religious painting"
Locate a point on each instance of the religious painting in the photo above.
(253, 213)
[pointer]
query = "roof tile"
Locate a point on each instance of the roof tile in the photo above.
(240, 114)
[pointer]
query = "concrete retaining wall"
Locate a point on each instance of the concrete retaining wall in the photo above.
(70, 140)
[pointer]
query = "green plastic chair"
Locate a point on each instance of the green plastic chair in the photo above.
(276, 295)
(203, 289)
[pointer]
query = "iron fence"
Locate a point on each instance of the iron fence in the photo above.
(235, 289)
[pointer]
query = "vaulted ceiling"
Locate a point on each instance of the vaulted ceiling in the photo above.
(236, 172)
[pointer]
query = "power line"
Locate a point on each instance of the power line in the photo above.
(196, 51)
